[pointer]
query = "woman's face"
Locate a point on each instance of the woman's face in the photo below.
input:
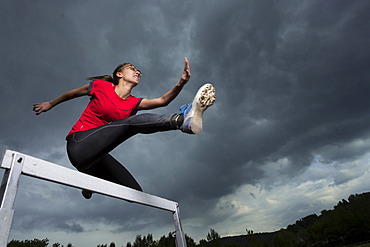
(129, 72)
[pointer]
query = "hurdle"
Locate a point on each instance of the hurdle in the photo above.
(17, 164)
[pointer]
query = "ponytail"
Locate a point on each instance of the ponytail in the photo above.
(101, 77)
(109, 78)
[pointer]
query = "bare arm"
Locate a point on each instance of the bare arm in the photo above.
(147, 104)
(45, 106)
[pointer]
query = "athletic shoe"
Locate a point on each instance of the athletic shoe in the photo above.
(193, 112)
(87, 194)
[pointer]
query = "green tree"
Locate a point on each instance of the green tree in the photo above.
(29, 243)
(146, 241)
(203, 242)
(249, 232)
(189, 241)
(212, 235)
(213, 238)
(168, 241)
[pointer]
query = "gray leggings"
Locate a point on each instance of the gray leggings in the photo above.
(89, 150)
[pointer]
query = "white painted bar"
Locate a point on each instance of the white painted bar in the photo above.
(48, 171)
(7, 159)
(45, 170)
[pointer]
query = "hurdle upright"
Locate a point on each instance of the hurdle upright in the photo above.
(17, 164)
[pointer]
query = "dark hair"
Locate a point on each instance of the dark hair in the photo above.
(109, 78)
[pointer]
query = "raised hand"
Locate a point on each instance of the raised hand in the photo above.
(185, 77)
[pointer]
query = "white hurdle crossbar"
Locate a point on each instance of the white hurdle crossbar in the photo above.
(17, 164)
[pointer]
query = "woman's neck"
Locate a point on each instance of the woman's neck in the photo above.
(123, 90)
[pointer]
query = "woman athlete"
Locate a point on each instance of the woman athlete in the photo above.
(109, 119)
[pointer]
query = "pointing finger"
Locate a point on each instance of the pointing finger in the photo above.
(187, 67)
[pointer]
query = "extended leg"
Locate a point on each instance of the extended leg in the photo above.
(88, 147)
(108, 168)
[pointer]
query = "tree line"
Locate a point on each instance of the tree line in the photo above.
(140, 241)
(348, 223)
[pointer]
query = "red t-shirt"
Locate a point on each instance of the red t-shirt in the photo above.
(105, 106)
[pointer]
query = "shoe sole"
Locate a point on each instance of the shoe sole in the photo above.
(87, 194)
(205, 97)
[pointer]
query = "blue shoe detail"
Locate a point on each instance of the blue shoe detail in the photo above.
(185, 110)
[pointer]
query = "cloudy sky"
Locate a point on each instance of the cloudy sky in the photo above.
(289, 134)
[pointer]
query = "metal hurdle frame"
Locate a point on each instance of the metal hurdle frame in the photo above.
(17, 164)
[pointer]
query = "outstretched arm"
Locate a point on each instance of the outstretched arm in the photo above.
(147, 104)
(45, 106)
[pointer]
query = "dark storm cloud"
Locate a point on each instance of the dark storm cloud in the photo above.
(289, 84)
(291, 78)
